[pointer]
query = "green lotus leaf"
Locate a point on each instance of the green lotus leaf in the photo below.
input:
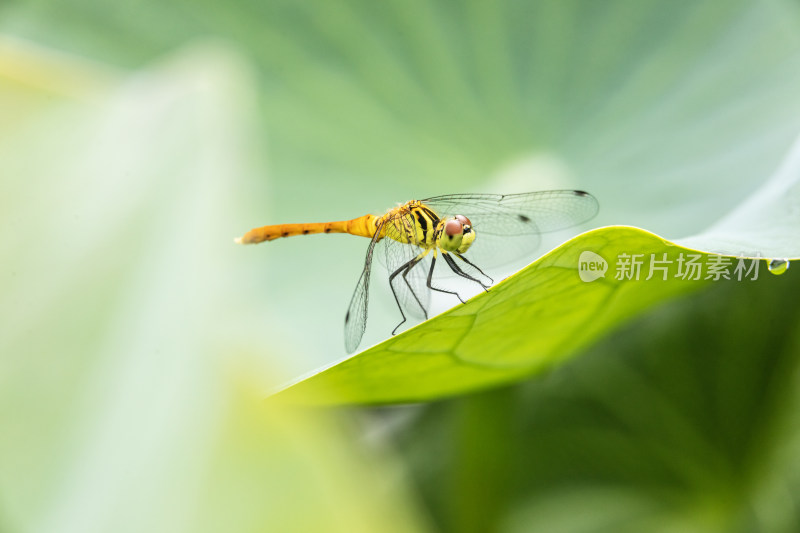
(543, 314)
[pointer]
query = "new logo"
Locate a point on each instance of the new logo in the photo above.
(591, 266)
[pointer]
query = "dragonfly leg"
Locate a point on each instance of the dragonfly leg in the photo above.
(455, 268)
(404, 268)
(431, 287)
(405, 273)
(475, 267)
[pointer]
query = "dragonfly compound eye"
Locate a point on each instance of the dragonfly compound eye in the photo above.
(453, 228)
(464, 220)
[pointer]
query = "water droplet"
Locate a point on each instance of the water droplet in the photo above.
(778, 266)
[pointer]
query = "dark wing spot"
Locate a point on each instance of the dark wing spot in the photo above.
(347, 317)
(524, 218)
(580, 193)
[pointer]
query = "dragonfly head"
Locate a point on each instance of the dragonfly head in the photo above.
(457, 235)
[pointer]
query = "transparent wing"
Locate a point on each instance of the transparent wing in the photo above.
(355, 320)
(411, 289)
(508, 226)
(523, 213)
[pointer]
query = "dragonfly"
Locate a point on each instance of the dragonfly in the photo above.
(465, 233)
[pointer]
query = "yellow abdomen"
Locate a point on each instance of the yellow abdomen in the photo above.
(410, 223)
(361, 226)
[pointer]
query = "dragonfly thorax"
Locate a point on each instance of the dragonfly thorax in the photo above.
(455, 234)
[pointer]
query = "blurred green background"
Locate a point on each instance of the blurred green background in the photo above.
(137, 341)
